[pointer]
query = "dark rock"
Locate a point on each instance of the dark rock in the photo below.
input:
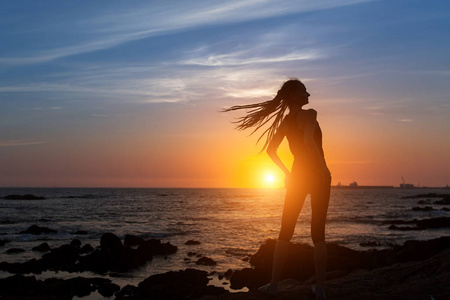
(80, 232)
(75, 243)
(192, 242)
(186, 284)
(433, 223)
(44, 247)
(108, 289)
(428, 201)
(36, 230)
(24, 197)
(155, 247)
(192, 253)
(248, 277)
(110, 243)
(445, 201)
(62, 258)
(3, 242)
(127, 292)
(228, 273)
(86, 249)
(237, 251)
(426, 208)
(21, 287)
(370, 244)
(341, 260)
(445, 209)
(15, 250)
(112, 256)
(132, 240)
(206, 261)
(429, 195)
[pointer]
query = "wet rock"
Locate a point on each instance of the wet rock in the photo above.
(237, 251)
(3, 242)
(44, 247)
(370, 244)
(433, 223)
(445, 201)
(206, 261)
(186, 284)
(80, 232)
(228, 273)
(429, 195)
(62, 258)
(132, 240)
(75, 243)
(15, 250)
(108, 289)
(127, 292)
(27, 287)
(155, 247)
(341, 260)
(192, 242)
(23, 197)
(428, 201)
(86, 249)
(36, 230)
(426, 208)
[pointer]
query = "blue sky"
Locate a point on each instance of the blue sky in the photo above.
(73, 73)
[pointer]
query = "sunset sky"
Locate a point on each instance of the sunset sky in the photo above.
(128, 93)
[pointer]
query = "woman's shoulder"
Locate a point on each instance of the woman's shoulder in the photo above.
(308, 113)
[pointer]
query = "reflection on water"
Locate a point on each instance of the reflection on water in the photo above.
(221, 219)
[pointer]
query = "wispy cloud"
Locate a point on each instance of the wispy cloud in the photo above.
(106, 29)
(14, 143)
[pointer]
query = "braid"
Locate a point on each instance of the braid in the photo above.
(259, 114)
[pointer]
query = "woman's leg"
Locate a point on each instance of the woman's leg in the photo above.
(293, 204)
(320, 198)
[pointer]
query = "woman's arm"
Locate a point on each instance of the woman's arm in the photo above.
(273, 146)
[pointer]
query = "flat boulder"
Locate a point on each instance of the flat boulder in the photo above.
(206, 261)
(24, 197)
(132, 240)
(37, 230)
(44, 247)
(192, 242)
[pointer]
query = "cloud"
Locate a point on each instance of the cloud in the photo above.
(14, 143)
(109, 29)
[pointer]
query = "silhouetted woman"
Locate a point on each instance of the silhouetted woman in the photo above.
(309, 174)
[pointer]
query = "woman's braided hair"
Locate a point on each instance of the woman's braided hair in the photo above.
(259, 114)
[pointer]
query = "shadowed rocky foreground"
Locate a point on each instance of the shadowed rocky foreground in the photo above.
(414, 270)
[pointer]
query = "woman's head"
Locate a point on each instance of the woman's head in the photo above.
(292, 95)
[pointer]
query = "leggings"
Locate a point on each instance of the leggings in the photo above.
(299, 185)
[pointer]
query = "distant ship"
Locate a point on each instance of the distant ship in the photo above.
(404, 185)
(353, 184)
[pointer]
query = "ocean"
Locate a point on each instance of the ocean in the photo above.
(230, 224)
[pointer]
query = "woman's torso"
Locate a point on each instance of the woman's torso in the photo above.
(304, 157)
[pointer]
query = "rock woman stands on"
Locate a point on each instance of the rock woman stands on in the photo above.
(309, 173)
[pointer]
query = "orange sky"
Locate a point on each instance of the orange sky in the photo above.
(98, 100)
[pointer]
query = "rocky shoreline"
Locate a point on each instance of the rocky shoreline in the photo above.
(351, 274)
(413, 270)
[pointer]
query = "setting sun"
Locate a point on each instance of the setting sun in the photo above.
(270, 178)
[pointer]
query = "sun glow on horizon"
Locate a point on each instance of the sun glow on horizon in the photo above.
(270, 178)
